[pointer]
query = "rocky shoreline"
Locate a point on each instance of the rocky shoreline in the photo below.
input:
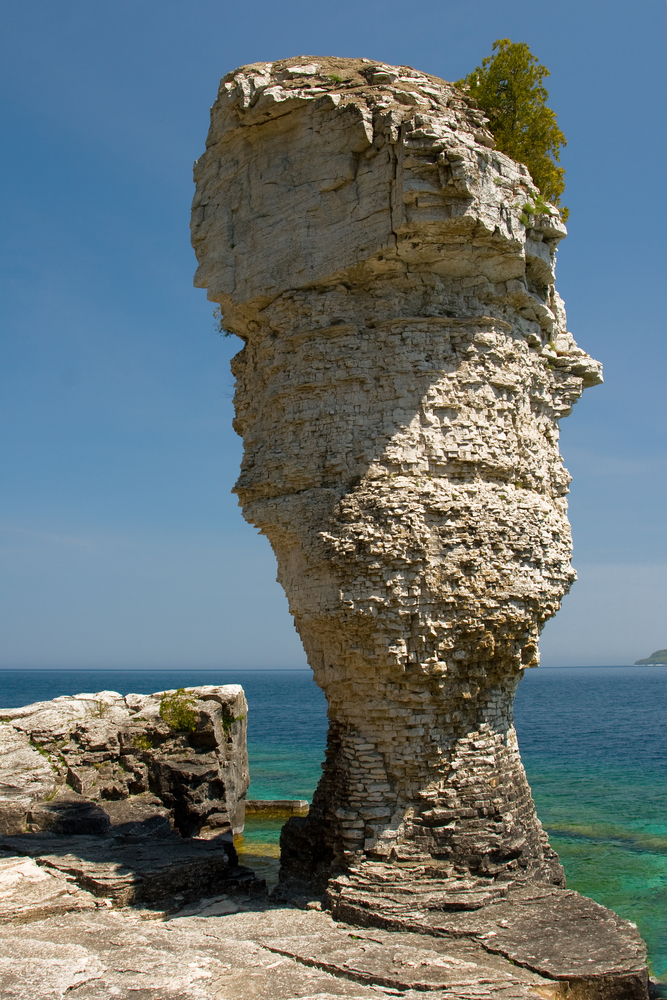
(406, 364)
(134, 799)
(102, 895)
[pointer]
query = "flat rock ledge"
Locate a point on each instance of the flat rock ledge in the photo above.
(66, 942)
(554, 932)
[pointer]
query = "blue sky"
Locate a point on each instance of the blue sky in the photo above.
(121, 542)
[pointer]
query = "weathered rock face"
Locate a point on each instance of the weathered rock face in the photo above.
(85, 764)
(406, 363)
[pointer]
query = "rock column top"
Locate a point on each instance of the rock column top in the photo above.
(390, 168)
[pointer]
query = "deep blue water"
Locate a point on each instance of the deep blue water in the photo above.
(593, 740)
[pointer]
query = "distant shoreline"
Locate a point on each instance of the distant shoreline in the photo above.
(301, 670)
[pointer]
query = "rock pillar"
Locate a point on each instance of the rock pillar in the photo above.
(406, 364)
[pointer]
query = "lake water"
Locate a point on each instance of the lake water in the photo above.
(593, 741)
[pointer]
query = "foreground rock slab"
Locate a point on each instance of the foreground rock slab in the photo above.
(405, 962)
(237, 949)
(556, 933)
(30, 892)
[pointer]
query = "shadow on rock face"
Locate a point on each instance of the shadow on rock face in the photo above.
(130, 854)
(70, 814)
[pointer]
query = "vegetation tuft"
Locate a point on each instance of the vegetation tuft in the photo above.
(218, 319)
(142, 743)
(228, 721)
(508, 87)
(178, 711)
(529, 209)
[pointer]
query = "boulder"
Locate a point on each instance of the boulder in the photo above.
(67, 764)
(133, 799)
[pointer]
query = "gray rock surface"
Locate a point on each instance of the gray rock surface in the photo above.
(559, 934)
(30, 892)
(237, 949)
(138, 869)
(25, 777)
(82, 764)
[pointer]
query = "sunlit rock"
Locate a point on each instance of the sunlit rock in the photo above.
(406, 364)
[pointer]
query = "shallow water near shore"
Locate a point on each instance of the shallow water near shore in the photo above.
(593, 740)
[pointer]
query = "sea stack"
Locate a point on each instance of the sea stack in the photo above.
(405, 366)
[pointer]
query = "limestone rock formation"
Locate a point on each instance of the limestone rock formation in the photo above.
(132, 799)
(67, 765)
(224, 949)
(406, 362)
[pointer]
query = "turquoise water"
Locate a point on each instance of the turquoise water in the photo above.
(593, 740)
(594, 744)
(609, 827)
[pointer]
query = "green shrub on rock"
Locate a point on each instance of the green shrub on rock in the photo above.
(142, 743)
(178, 711)
(508, 87)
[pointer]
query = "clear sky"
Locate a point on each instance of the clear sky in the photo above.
(121, 543)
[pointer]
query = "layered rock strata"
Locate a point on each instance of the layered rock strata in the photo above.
(66, 764)
(231, 949)
(405, 366)
(134, 799)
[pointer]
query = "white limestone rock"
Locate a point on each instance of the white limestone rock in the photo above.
(66, 764)
(406, 363)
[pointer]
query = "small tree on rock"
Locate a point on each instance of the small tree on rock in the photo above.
(508, 87)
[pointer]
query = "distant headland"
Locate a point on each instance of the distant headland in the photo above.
(660, 656)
